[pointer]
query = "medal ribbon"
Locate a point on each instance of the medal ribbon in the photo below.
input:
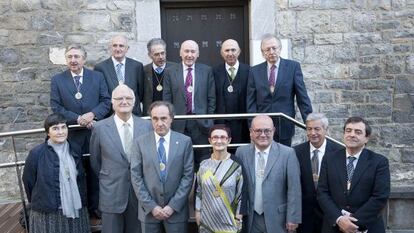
(162, 160)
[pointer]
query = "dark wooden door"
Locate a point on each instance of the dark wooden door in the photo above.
(207, 23)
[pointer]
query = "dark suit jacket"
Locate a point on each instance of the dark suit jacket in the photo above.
(134, 78)
(148, 87)
(234, 102)
(289, 84)
(95, 98)
(369, 192)
(110, 163)
(311, 212)
(204, 94)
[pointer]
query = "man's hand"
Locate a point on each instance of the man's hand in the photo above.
(86, 119)
(158, 213)
(168, 211)
(291, 227)
(346, 224)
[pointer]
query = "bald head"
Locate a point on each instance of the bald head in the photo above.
(123, 101)
(262, 131)
(119, 47)
(189, 52)
(230, 51)
(262, 119)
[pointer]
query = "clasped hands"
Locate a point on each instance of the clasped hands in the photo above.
(86, 120)
(162, 213)
(346, 223)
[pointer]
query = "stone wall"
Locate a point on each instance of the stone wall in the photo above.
(357, 58)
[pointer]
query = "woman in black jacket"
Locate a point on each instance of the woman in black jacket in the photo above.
(54, 181)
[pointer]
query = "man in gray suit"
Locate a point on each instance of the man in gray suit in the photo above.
(121, 69)
(273, 201)
(162, 174)
(110, 148)
(154, 73)
(190, 87)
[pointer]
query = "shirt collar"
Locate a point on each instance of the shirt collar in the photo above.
(355, 155)
(321, 149)
(116, 62)
(266, 151)
(166, 137)
(276, 64)
(236, 66)
(185, 67)
(80, 74)
(120, 122)
(155, 66)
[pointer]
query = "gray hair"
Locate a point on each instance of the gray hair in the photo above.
(155, 41)
(162, 103)
(318, 116)
(77, 47)
(269, 36)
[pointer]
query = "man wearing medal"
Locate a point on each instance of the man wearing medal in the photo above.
(273, 87)
(111, 149)
(354, 184)
(81, 95)
(310, 156)
(231, 81)
(190, 87)
(119, 69)
(162, 173)
(154, 73)
(272, 179)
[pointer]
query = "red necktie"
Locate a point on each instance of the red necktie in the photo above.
(189, 91)
(272, 77)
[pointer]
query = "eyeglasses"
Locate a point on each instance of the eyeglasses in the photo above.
(259, 132)
(126, 98)
(222, 138)
(271, 49)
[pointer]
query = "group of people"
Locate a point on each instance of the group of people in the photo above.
(139, 174)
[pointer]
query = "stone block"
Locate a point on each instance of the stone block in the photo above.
(407, 156)
(50, 38)
(340, 84)
(330, 38)
(399, 4)
(400, 212)
(313, 21)
(378, 97)
(62, 5)
(340, 21)
(323, 97)
(345, 53)
(95, 22)
(402, 48)
(369, 59)
(97, 5)
(352, 97)
(121, 5)
(409, 61)
(23, 37)
(404, 13)
(376, 84)
(286, 23)
(300, 4)
(265, 19)
(25, 74)
(57, 55)
(79, 39)
(9, 56)
(42, 22)
(123, 22)
(322, 71)
(394, 64)
(25, 6)
(364, 21)
(369, 71)
(371, 110)
(387, 25)
(374, 49)
(380, 4)
(14, 22)
(331, 4)
(282, 4)
(336, 111)
(362, 38)
(401, 135)
(404, 84)
(318, 54)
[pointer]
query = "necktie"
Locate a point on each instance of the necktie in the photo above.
(315, 167)
(127, 140)
(158, 70)
(258, 200)
(77, 82)
(189, 91)
(272, 76)
(119, 74)
(232, 74)
(162, 159)
(350, 168)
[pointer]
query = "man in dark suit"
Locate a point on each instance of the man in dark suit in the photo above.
(231, 84)
(81, 95)
(111, 149)
(121, 69)
(190, 87)
(273, 86)
(272, 180)
(354, 184)
(154, 73)
(310, 156)
(162, 174)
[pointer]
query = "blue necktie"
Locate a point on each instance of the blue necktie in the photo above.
(162, 159)
(158, 70)
(350, 168)
(119, 75)
(77, 82)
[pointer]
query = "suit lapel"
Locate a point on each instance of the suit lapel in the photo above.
(148, 76)
(306, 163)
(341, 167)
(70, 83)
(117, 138)
(87, 81)
(179, 75)
(360, 168)
(112, 73)
(152, 147)
(173, 147)
(128, 72)
(280, 74)
(251, 163)
(271, 159)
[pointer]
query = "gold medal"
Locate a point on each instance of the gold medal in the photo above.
(230, 88)
(190, 89)
(78, 95)
(348, 185)
(315, 177)
(162, 166)
(216, 193)
(272, 89)
(159, 87)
